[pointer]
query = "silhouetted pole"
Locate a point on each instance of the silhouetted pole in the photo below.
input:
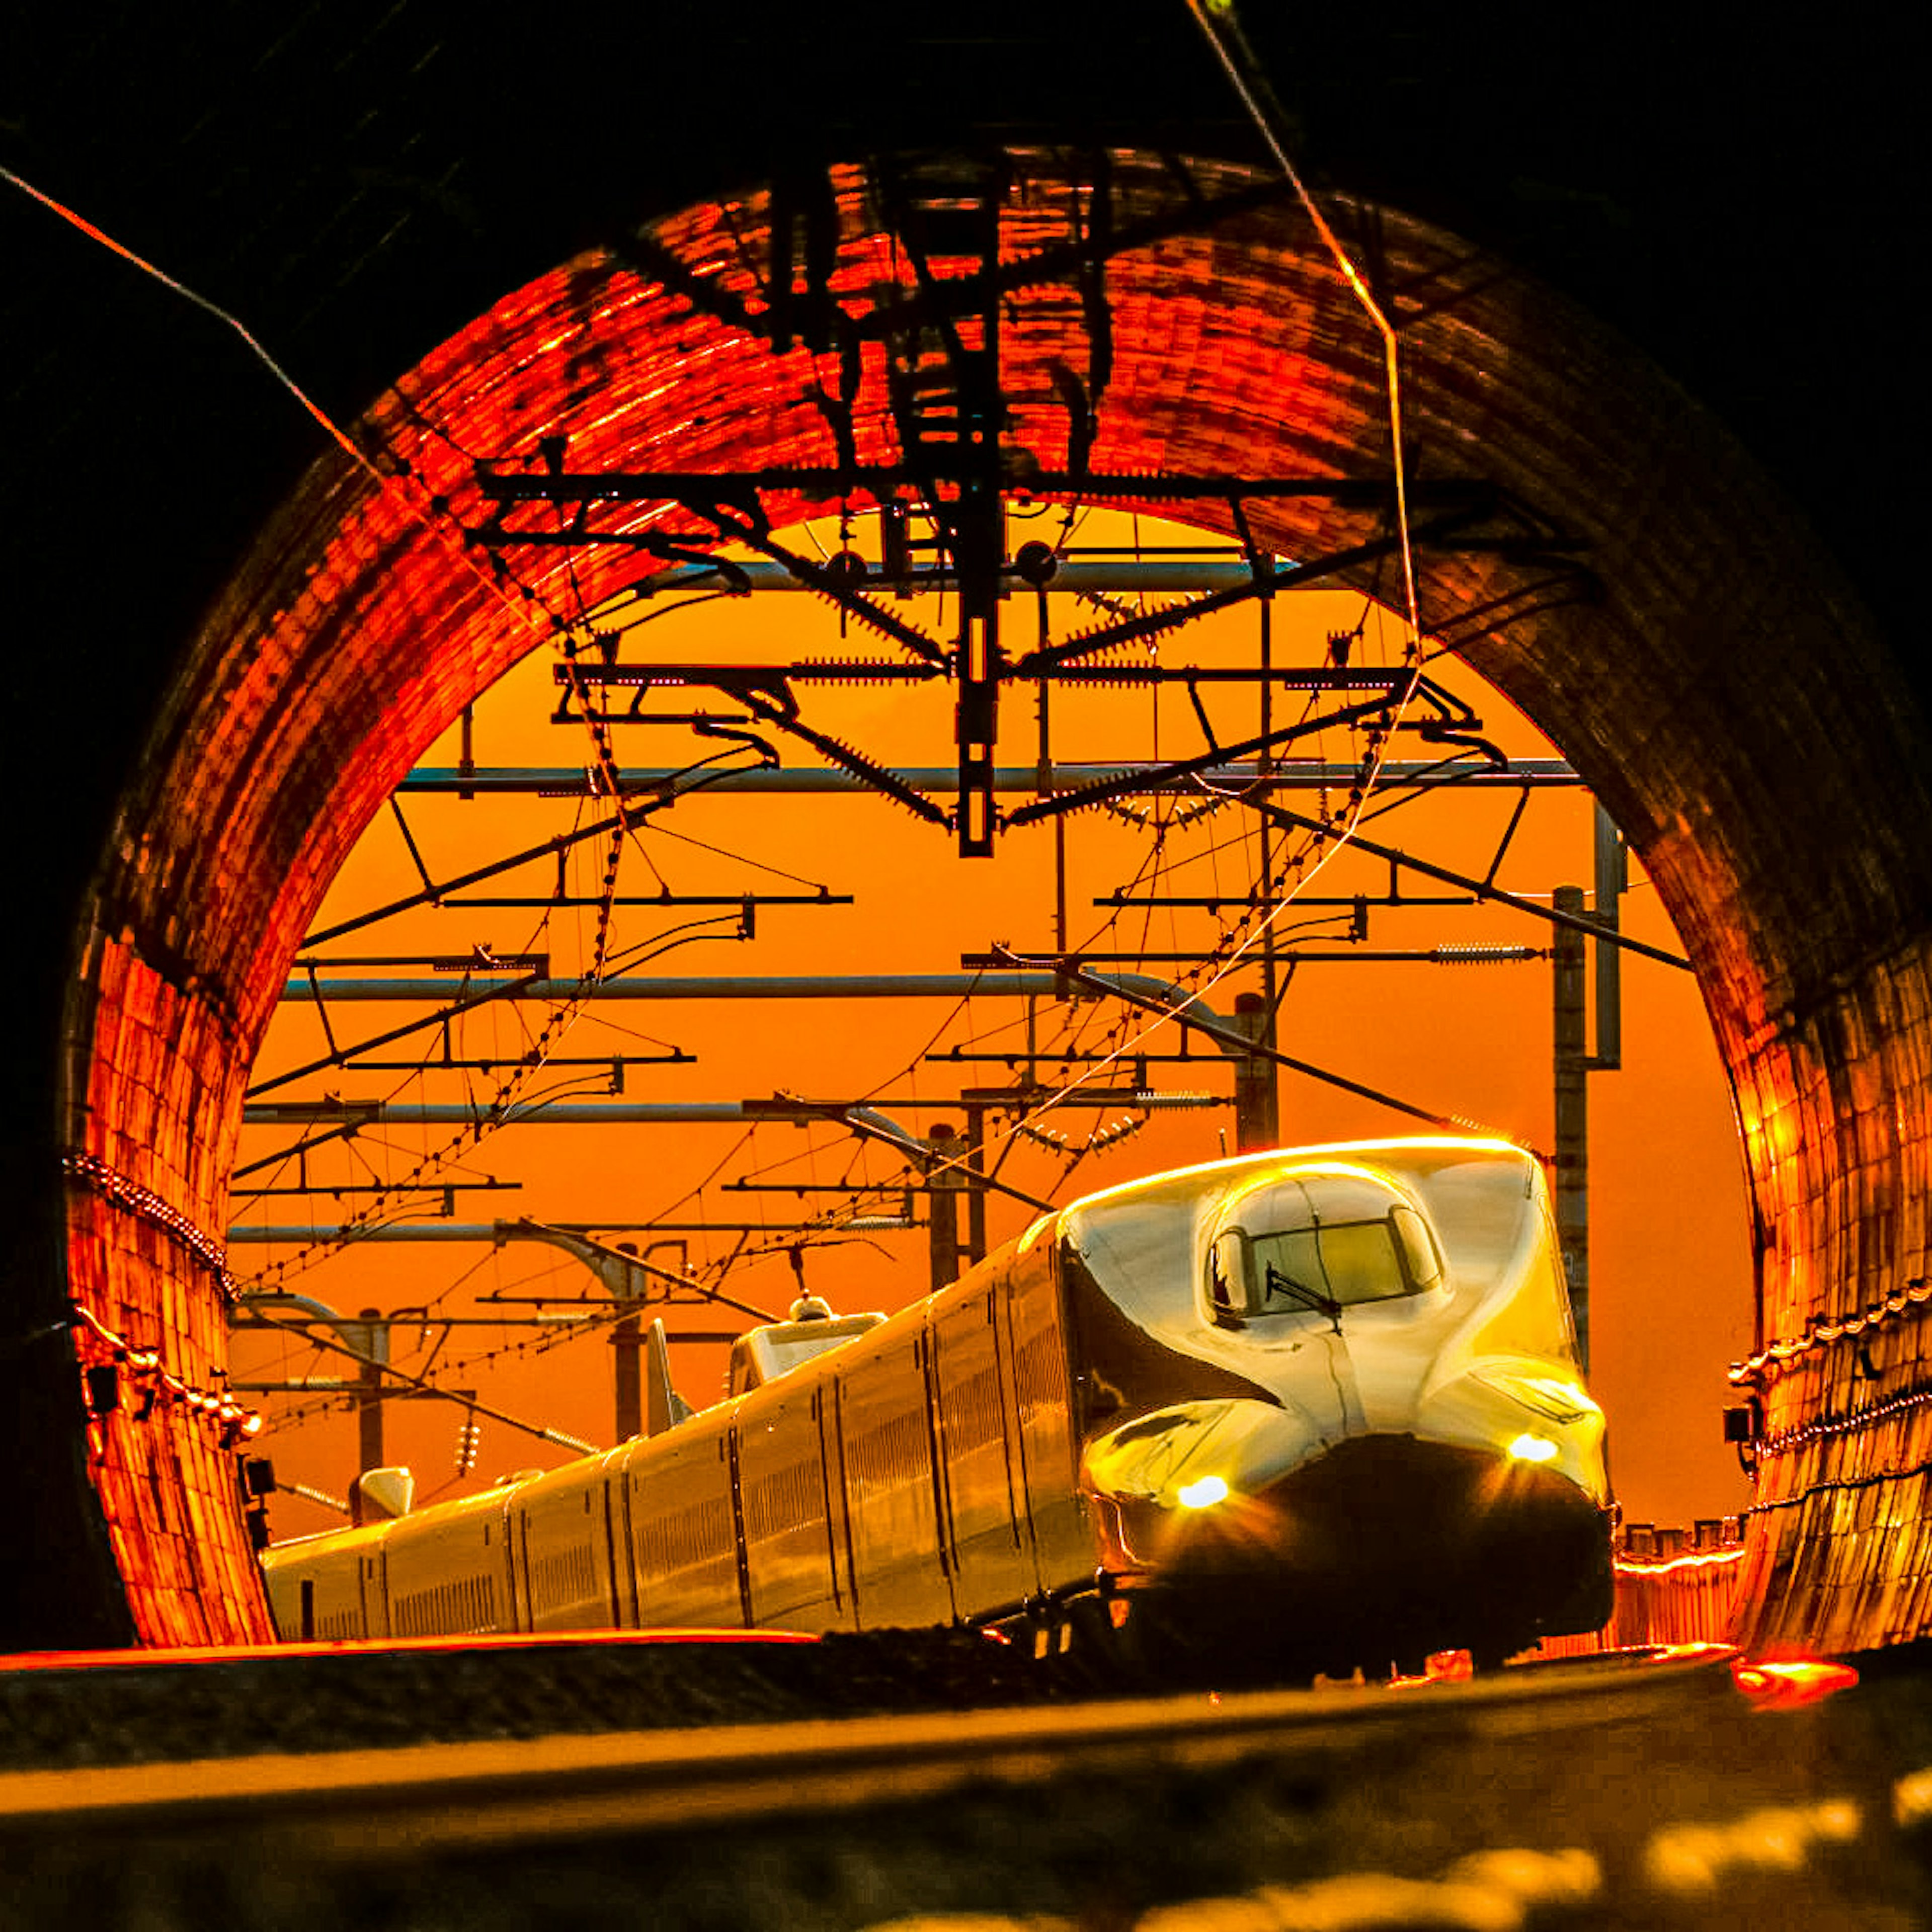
(369, 1402)
(1573, 1119)
(976, 1197)
(1257, 1120)
(1611, 882)
(942, 1205)
(1266, 1099)
(627, 1339)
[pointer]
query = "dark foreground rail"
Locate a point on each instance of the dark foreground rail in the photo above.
(1656, 1796)
(59, 1710)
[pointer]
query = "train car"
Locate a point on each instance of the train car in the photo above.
(1302, 1409)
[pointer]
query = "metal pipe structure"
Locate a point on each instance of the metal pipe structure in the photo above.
(369, 1404)
(387, 1374)
(571, 781)
(494, 1234)
(1246, 1048)
(303, 991)
(657, 1113)
(1173, 575)
(1141, 990)
(1257, 1104)
(534, 1113)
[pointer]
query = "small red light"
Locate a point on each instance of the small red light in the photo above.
(1791, 1682)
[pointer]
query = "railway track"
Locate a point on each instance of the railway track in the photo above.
(1654, 1795)
(423, 1798)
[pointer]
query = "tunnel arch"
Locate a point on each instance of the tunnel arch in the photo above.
(1658, 611)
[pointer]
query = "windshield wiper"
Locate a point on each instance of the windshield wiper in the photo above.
(1275, 1282)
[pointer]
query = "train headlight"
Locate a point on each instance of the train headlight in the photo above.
(1528, 1448)
(1203, 1494)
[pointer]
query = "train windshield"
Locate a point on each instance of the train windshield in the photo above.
(1318, 1245)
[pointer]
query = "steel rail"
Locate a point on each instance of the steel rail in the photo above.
(416, 1800)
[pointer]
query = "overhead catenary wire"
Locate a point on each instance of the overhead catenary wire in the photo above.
(1175, 810)
(1217, 21)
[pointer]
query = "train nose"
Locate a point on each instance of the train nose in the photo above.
(1394, 1521)
(1383, 1541)
(1190, 1485)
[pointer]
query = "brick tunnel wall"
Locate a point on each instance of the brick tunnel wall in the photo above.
(163, 1434)
(1717, 688)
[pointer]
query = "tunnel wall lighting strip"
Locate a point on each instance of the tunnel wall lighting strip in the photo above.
(1822, 1428)
(239, 1424)
(1825, 1331)
(1638, 1566)
(112, 1186)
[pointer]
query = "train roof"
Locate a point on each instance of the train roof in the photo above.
(1486, 1199)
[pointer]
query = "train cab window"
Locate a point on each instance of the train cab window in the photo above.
(1227, 1277)
(1417, 1246)
(1318, 1247)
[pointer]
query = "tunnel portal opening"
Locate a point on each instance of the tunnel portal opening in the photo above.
(1586, 539)
(399, 1137)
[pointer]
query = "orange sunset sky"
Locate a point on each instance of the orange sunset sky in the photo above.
(1669, 1264)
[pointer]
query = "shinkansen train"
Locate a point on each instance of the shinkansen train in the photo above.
(1305, 1409)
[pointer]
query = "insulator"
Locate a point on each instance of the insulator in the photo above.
(859, 670)
(468, 1438)
(1138, 627)
(874, 774)
(861, 611)
(1100, 601)
(1137, 674)
(1481, 955)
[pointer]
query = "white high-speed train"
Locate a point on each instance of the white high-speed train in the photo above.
(1301, 1409)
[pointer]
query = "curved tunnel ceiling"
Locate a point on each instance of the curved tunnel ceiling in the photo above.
(1633, 585)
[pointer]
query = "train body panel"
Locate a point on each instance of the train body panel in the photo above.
(447, 1570)
(1323, 1396)
(891, 1477)
(682, 1509)
(320, 1587)
(795, 1576)
(565, 1533)
(1030, 1289)
(983, 1510)
(1414, 1448)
